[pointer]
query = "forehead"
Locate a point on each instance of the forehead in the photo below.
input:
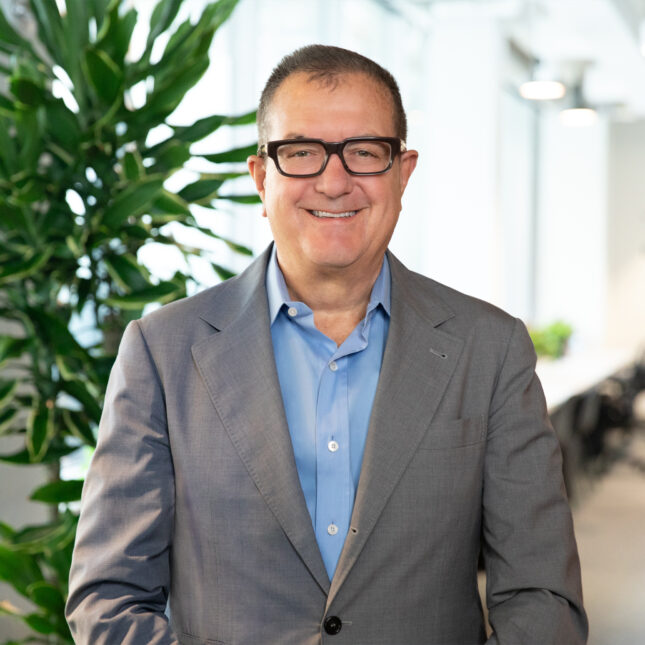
(348, 104)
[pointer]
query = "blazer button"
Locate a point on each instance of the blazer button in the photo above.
(333, 625)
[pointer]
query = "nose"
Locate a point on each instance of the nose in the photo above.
(334, 181)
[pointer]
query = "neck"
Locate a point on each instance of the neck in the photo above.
(337, 297)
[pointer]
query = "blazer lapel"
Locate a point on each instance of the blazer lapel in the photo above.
(418, 362)
(238, 367)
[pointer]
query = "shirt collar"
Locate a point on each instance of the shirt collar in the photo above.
(278, 294)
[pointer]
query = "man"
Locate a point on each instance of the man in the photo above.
(317, 450)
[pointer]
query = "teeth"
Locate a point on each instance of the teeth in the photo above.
(328, 214)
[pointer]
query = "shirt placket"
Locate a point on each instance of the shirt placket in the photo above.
(334, 486)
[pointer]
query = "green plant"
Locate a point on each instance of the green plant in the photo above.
(82, 190)
(551, 341)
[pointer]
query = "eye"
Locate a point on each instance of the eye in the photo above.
(300, 151)
(368, 150)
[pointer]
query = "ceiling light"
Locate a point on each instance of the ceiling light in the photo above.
(542, 90)
(543, 85)
(579, 115)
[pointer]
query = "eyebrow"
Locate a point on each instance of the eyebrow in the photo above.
(296, 135)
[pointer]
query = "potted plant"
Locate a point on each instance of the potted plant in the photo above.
(82, 190)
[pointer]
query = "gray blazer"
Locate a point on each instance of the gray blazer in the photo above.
(193, 493)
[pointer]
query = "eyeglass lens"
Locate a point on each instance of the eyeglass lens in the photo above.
(307, 157)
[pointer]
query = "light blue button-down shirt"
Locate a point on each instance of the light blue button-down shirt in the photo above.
(328, 393)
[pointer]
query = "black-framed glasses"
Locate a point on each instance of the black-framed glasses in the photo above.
(309, 157)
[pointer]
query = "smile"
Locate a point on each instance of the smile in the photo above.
(333, 215)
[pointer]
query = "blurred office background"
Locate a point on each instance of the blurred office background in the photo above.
(537, 205)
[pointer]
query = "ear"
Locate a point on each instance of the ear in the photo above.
(257, 170)
(408, 161)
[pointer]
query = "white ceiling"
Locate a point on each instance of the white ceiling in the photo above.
(597, 43)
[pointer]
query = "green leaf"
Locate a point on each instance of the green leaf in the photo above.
(222, 272)
(7, 389)
(50, 28)
(30, 130)
(80, 392)
(207, 125)
(79, 427)
(27, 92)
(12, 347)
(69, 366)
(99, 9)
(59, 492)
(39, 623)
(243, 119)
(104, 75)
(235, 155)
(162, 292)
(21, 269)
(46, 595)
(8, 151)
(168, 95)
(53, 331)
(7, 106)
(6, 532)
(221, 12)
(46, 537)
(199, 129)
(135, 232)
(131, 202)
(62, 125)
(127, 272)
(162, 16)
(133, 166)
(242, 199)
(13, 218)
(59, 562)
(40, 430)
(172, 157)
(18, 569)
(54, 453)
(6, 419)
(116, 32)
(201, 190)
(170, 204)
(234, 246)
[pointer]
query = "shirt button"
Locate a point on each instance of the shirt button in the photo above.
(292, 311)
(333, 366)
(332, 529)
(333, 446)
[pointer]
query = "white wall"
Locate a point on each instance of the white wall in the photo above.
(572, 229)
(625, 317)
(460, 240)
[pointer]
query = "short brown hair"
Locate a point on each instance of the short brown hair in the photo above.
(325, 63)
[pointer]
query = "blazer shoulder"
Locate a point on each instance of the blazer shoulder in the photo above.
(214, 306)
(447, 305)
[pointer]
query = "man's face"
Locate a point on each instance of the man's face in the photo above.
(360, 212)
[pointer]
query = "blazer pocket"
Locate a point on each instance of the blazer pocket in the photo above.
(454, 433)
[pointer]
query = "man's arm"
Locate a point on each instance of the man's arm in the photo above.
(120, 576)
(534, 592)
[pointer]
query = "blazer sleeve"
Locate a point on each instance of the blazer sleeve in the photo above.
(119, 577)
(534, 592)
